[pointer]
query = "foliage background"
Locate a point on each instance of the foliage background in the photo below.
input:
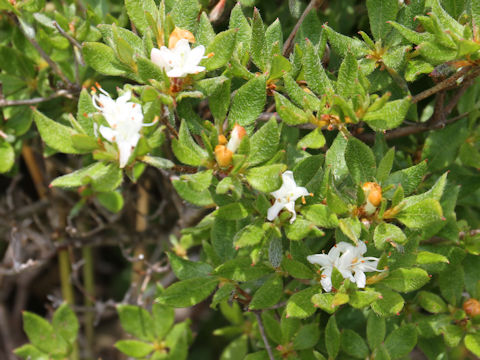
(31, 215)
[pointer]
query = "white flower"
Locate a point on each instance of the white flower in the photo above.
(285, 197)
(179, 61)
(348, 260)
(125, 120)
(328, 262)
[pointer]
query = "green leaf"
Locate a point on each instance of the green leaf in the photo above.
(413, 36)
(238, 21)
(347, 76)
(41, 334)
(351, 227)
(344, 44)
(222, 48)
(426, 257)
(185, 14)
(472, 342)
(300, 96)
(65, 323)
(388, 117)
(258, 47)
(242, 269)
(187, 192)
(385, 166)
(447, 22)
(325, 302)
(386, 233)
(360, 161)
(102, 58)
(185, 269)
(103, 177)
(233, 211)
(55, 135)
(451, 283)
(421, 214)
(376, 329)
(189, 292)
(289, 113)
(29, 351)
(315, 74)
(431, 302)
(361, 299)
(379, 12)
(300, 305)
(390, 304)
(248, 102)
(136, 321)
(406, 280)
(185, 148)
(158, 162)
(313, 140)
(320, 215)
(268, 294)
(7, 156)
(409, 178)
(400, 342)
(307, 337)
(112, 201)
(222, 235)
(264, 143)
(332, 337)
(249, 235)
(163, 318)
(266, 178)
(236, 350)
(353, 344)
(297, 269)
(136, 12)
(134, 348)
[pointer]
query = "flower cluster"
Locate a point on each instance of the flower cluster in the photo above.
(348, 260)
(125, 120)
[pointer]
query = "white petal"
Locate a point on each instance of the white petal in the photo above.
(196, 55)
(182, 46)
(125, 150)
(124, 98)
(274, 210)
(288, 181)
(360, 279)
(344, 246)
(326, 283)
(299, 192)
(158, 58)
(291, 208)
(195, 69)
(107, 132)
(361, 247)
(320, 259)
(176, 72)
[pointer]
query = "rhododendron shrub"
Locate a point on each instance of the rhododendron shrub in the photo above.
(319, 174)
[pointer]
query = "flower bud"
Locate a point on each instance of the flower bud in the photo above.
(236, 137)
(179, 34)
(222, 140)
(373, 196)
(223, 155)
(217, 11)
(472, 307)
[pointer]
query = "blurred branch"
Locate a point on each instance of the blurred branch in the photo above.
(60, 93)
(264, 336)
(288, 46)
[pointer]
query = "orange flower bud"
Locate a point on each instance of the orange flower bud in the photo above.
(373, 193)
(222, 140)
(472, 307)
(223, 155)
(179, 34)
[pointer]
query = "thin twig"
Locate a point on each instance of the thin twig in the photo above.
(73, 41)
(451, 81)
(264, 336)
(288, 46)
(37, 100)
